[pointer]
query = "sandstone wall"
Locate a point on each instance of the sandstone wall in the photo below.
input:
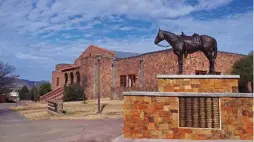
(165, 62)
(158, 118)
(201, 85)
(160, 62)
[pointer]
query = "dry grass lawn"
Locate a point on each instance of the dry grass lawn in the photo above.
(74, 110)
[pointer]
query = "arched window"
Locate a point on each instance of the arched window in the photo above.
(72, 77)
(78, 77)
(66, 78)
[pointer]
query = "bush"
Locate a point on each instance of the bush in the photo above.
(73, 93)
(24, 93)
(34, 94)
(244, 68)
(44, 89)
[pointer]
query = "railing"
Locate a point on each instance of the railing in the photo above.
(57, 93)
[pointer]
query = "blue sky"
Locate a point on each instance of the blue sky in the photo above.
(37, 35)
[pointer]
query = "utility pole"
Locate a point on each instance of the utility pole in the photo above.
(98, 77)
(113, 78)
(98, 59)
(34, 90)
(94, 79)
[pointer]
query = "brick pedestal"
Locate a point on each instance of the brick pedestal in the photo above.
(198, 83)
(199, 107)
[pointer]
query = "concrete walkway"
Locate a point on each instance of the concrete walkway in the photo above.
(14, 128)
(7, 115)
(122, 139)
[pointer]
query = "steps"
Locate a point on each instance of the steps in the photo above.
(54, 94)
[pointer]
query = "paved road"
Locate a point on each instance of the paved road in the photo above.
(14, 127)
(7, 116)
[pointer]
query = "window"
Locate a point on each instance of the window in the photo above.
(199, 112)
(200, 72)
(132, 80)
(122, 80)
(57, 81)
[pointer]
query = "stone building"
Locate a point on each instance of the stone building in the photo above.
(131, 73)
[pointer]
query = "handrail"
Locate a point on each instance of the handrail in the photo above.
(53, 91)
(53, 94)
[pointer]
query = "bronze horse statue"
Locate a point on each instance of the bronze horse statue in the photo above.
(183, 45)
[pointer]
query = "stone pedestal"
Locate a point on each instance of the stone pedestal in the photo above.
(193, 107)
(198, 83)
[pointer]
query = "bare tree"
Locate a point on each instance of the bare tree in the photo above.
(6, 77)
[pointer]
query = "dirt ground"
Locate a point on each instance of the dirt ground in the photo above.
(74, 110)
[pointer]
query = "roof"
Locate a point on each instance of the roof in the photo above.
(97, 47)
(70, 68)
(121, 54)
(170, 50)
(140, 55)
(101, 48)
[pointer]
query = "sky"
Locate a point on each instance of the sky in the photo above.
(35, 35)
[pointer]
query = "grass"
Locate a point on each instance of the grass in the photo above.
(74, 110)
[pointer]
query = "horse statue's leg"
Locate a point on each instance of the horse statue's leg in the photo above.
(211, 63)
(211, 71)
(180, 63)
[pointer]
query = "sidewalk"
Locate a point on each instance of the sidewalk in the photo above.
(122, 139)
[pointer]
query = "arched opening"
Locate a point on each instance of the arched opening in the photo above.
(66, 78)
(72, 77)
(78, 77)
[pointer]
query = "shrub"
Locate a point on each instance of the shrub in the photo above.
(24, 93)
(244, 68)
(44, 89)
(34, 94)
(73, 93)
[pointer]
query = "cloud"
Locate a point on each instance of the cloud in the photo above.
(233, 33)
(27, 56)
(40, 34)
(52, 15)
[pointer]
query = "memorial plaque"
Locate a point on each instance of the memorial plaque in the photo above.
(199, 112)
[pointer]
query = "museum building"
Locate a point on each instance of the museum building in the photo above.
(131, 73)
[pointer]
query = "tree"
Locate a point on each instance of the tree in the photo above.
(6, 77)
(44, 89)
(34, 94)
(244, 68)
(73, 92)
(24, 93)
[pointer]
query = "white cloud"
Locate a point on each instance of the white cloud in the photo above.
(22, 14)
(47, 20)
(27, 56)
(233, 33)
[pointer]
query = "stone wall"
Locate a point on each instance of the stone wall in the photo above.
(88, 61)
(159, 62)
(165, 62)
(204, 83)
(157, 117)
(84, 64)
(55, 106)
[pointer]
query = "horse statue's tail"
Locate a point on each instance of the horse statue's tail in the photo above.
(215, 50)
